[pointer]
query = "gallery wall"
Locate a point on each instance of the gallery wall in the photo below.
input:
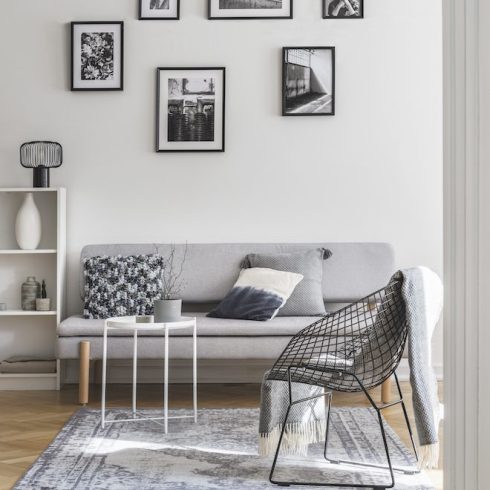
(373, 172)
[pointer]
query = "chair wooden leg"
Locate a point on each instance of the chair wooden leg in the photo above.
(386, 392)
(83, 382)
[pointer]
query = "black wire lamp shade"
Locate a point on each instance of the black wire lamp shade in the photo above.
(41, 156)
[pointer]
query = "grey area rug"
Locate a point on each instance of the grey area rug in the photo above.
(219, 452)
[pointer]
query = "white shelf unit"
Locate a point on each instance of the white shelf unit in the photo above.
(27, 313)
(31, 332)
(27, 252)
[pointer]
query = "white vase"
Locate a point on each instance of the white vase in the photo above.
(28, 224)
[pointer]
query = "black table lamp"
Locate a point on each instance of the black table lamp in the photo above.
(41, 156)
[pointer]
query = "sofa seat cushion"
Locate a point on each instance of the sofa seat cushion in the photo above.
(77, 326)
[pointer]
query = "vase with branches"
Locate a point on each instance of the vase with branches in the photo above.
(169, 308)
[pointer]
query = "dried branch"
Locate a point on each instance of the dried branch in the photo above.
(173, 284)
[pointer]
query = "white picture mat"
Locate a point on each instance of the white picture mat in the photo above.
(163, 143)
(78, 29)
(285, 11)
(159, 13)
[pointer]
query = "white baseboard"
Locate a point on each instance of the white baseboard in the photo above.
(209, 371)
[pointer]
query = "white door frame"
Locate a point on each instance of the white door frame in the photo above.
(466, 234)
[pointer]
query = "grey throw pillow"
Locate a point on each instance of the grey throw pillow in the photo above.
(307, 297)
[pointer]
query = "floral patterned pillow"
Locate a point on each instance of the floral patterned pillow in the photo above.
(121, 285)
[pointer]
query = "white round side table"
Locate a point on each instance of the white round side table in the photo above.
(146, 323)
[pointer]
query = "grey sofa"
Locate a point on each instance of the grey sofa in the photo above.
(353, 271)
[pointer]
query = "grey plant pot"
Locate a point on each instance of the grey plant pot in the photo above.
(168, 310)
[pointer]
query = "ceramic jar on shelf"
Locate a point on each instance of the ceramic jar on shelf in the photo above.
(30, 291)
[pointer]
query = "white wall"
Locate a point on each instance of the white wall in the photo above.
(372, 172)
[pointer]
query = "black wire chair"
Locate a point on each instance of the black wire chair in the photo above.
(353, 349)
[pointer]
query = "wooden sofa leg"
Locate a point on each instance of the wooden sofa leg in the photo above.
(83, 381)
(386, 390)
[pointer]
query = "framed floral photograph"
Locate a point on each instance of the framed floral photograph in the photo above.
(190, 109)
(250, 9)
(159, 9)
(343, 9)
(97, 55)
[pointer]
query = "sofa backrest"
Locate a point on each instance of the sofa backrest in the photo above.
(354, 270)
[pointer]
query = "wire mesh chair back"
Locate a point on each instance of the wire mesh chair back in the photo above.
(362, 343)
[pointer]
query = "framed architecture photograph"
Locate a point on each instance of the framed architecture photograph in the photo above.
(343, 9)
(97, 55)
(159, 9)
(190, 109)
(308, 78)
(250, 9)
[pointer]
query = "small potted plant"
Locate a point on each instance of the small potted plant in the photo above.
(43, 303)
(169, 308)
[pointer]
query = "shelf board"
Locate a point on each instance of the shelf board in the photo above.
(27, 375)
(26, 313)
(14, 251)
(29, 189)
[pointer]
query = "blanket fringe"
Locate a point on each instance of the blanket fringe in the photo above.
(297, 437)
(429, 456)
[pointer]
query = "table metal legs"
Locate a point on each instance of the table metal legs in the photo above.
(135, 369)
(194, 370)
(165, 384)
(165, 380)
(104, 373)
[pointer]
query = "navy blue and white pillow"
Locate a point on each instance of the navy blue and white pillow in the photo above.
(122, 285)
(258, 294)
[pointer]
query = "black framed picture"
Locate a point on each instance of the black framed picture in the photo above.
(97, 55)
(190, 109)
(250, 9)
(308, 78)
(159, 9)
(343, 9)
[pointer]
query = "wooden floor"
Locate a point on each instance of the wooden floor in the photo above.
(29, 420)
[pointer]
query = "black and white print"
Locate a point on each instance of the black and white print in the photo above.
(250, 9)
(97, 61)
(190, 109)
(250, 4)
(159, 4)
(97, 55)
(343, 9)
(308, 81)
(159, 9)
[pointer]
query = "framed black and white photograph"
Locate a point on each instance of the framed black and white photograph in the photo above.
(343, 9)
(308, 78)
(250, 9)
(97, 53)
(159, 9)
(190, 109)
